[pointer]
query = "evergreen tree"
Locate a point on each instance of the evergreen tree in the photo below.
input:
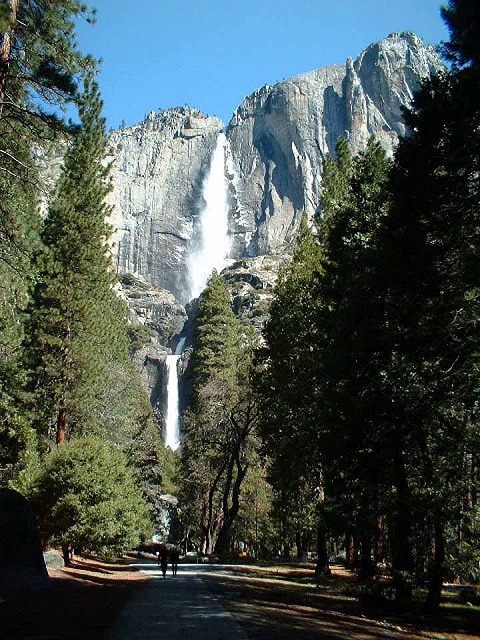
(431, 247)
(320, 384)
(78, 324)
(463, 21)
(38, 59)
(350, 359)
(18, 239)
(87, 500)
(289, 385)
(336, 181)
(217, 429)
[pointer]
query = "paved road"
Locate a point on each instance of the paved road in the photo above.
(173, 608)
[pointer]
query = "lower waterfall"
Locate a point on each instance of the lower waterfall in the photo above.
(172, 431)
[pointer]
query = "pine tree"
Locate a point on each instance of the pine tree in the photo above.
(432, 267)
(78, 325)
(349, 361)
(19, 226)
(218, 427)
(39, 56)
(87, 500)
(289, 385)
(463, 21)
(320, 385)
(38, 59)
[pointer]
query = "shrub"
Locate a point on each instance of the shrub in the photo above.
(86, 499)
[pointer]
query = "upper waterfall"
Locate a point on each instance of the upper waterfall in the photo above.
(211, 242)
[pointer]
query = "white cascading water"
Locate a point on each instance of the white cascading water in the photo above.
(212, 241)
(172, 432)
(212, 246)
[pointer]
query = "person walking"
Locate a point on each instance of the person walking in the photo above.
(174, 556)
(163, 559)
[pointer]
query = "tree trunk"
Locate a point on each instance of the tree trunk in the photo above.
(378, 547)
(401, 551)
(366, 565)
(322, 568)
(303, 540)
(6, 50)
(208, 522)
(66, 552)
(61, 426)
(224, 542)
(230, 512)
(436, 581)
(351, 552)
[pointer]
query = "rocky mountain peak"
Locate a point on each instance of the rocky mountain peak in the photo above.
(277, 141)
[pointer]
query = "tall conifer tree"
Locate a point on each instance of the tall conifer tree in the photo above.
(78, 325)
(218, 426)
(430, 241)
(38, 59)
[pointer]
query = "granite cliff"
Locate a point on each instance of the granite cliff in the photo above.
(158, 167)
(280, 135)
(275, 146)
(277, 140)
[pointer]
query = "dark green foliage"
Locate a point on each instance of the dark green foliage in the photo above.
(321, 371)
(336, 186)
(78, 324)
(217, 338)
(82, 378)
(69, 370)
(139, 335)
(254, 526)
(463, 21)
(18, 239)
(38, 57)
(4, 16)
(86, 499)
(218, 428)
(431, 248)
(382, 379)
(288, 385)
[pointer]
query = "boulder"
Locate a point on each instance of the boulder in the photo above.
(21, 554)
(54, 560)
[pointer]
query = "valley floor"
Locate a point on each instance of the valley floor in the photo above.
(268, 602)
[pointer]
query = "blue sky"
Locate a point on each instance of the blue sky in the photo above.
(210, 54)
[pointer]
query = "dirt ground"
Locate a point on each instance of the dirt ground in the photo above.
(271, 603)
(282, 603)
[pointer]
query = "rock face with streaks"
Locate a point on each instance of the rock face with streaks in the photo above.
(277, 141)
(156, 316)
(158, 168)
(280, 135)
